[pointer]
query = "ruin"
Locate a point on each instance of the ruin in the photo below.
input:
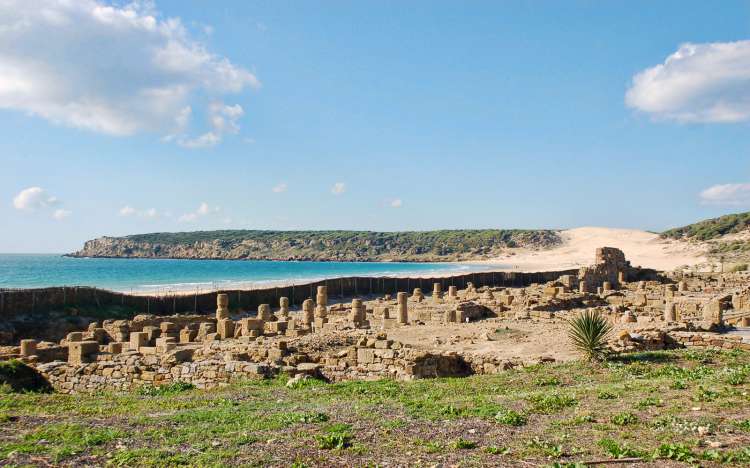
(398, 336)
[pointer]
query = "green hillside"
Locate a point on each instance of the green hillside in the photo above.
(443, 245)
(711, 228)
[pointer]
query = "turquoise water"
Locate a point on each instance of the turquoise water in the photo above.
(162, 275)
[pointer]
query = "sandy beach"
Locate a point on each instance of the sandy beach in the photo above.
(642, 248)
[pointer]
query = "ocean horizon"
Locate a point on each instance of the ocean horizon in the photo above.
(140, 275)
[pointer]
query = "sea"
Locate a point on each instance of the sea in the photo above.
(168, 275)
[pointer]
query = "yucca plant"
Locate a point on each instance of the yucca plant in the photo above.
(588, 332)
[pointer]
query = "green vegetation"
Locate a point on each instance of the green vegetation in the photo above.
(321, 245)
(588, 331)
(711, 228)
(545, 415)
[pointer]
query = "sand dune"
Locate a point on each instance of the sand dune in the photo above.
(641, 248)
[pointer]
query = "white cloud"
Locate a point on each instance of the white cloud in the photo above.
(34, 198)
(698, 83)
(282, 187)
(118, 70)
(204, 209)
(127, 211)
(338, 188)
(397, 203)
(37, 199)
(727, 194)
(150, 213)
(187, 218)
(61, 214)
(223, 119)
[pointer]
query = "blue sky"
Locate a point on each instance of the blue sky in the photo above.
(184, 115)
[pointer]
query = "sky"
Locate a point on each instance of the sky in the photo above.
(177, 115)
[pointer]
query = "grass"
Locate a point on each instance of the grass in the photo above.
(558, 414)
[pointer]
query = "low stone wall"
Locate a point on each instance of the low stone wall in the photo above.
(129, 371)
(709, 340)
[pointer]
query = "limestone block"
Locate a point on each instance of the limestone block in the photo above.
(28, 348)
(276, 327)
(449, 316)
(319, 323)
(187, 335)
(75, 336)
(225, 328)
(138, 340)
(152, 332)
(80, 352)
(670, 312)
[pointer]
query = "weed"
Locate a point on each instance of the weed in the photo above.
(624, 419)
(547, 381)
(337, 436)
(510, 418)
(167, 389)
(546, 403)
(462, 443)
(549, 449)
(678, 452)
(650, 401)
(617, 450)
(495, 450)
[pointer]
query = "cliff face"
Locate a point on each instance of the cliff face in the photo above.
(428, 246)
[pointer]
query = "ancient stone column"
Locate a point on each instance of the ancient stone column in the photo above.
(582, 287)
(28, 348)
(670, 313)
(403, 311)
(437, 291)
(621, 279)
(606, 286)
(264, 312)
(682, 286)
(322, 296)
(321, 311)
(357, 314)
(284, 307)
(222, 309)
(308, 312)
(417, 295)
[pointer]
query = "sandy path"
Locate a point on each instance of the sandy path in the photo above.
(579, 245)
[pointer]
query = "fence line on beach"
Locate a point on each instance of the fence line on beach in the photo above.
(19, 302)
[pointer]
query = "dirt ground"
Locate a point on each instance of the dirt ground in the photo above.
(506, 339)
